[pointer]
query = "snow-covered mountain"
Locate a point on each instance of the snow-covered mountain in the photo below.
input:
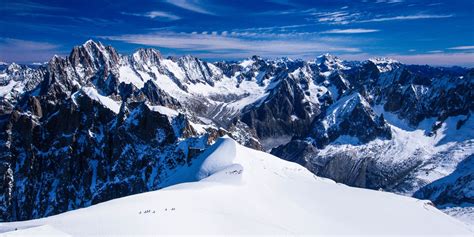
(231, 189)
(98, 125)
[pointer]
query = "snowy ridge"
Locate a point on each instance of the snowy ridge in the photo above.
(383, 60)
(164, 110)
(104, 100)
(273, 197)
(385, 64)
(342, 108)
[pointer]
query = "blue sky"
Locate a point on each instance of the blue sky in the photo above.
(417, 31)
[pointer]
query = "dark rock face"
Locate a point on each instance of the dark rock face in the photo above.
(229, 68)
(298, 151)
(338, 166)
(146, 57)
(416, 96)
(205, 73)
(284, 112)
(349, 167)
(454, 189)
(151, 93)
(77, 155)
(351, 116)
(244, 135)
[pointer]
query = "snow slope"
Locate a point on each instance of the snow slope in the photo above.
(237, 190)
(104, 100)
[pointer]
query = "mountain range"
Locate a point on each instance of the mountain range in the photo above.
(97, 125)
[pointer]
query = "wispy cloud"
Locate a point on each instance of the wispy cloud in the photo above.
(274, 28)
(17, 50)
(467, 47)
(26, 6)
(345, 16)
(389, 1)
(284, 2)
(191, 5)
(155, 14)
(407, 17)
(228, 45)
(335, 18)
(435, 51)
(350, 31)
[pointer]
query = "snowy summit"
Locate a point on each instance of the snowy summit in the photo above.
(231, 189)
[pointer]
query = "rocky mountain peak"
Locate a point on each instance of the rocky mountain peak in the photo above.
(328, 62)
(383, 60)
(196, 70)
(91, 43)
(256, 58)
(93, 56)
(13, 67)
(147, 56)
(98, 50)
(285, 60)
(385, 64)
(326, 57)
(353, 116)
(187, 58)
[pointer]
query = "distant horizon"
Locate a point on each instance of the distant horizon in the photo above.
(413, 32)
(348, 58)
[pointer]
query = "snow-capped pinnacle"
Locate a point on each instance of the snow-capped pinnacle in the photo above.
(328, 62)
(247, 62)
(256, 58)
(188, 57)
(147, 56)
(90, 43)
(189, 61)
(92, 47)
(285, 59)
(326, 57)
(13, 67)
(147, 51)
(384, 64)
(351, 116)
(54, 59)
(344, 107)
(383, 60)
(92, 56)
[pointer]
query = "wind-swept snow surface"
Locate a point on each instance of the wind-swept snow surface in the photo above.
(237, 190)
